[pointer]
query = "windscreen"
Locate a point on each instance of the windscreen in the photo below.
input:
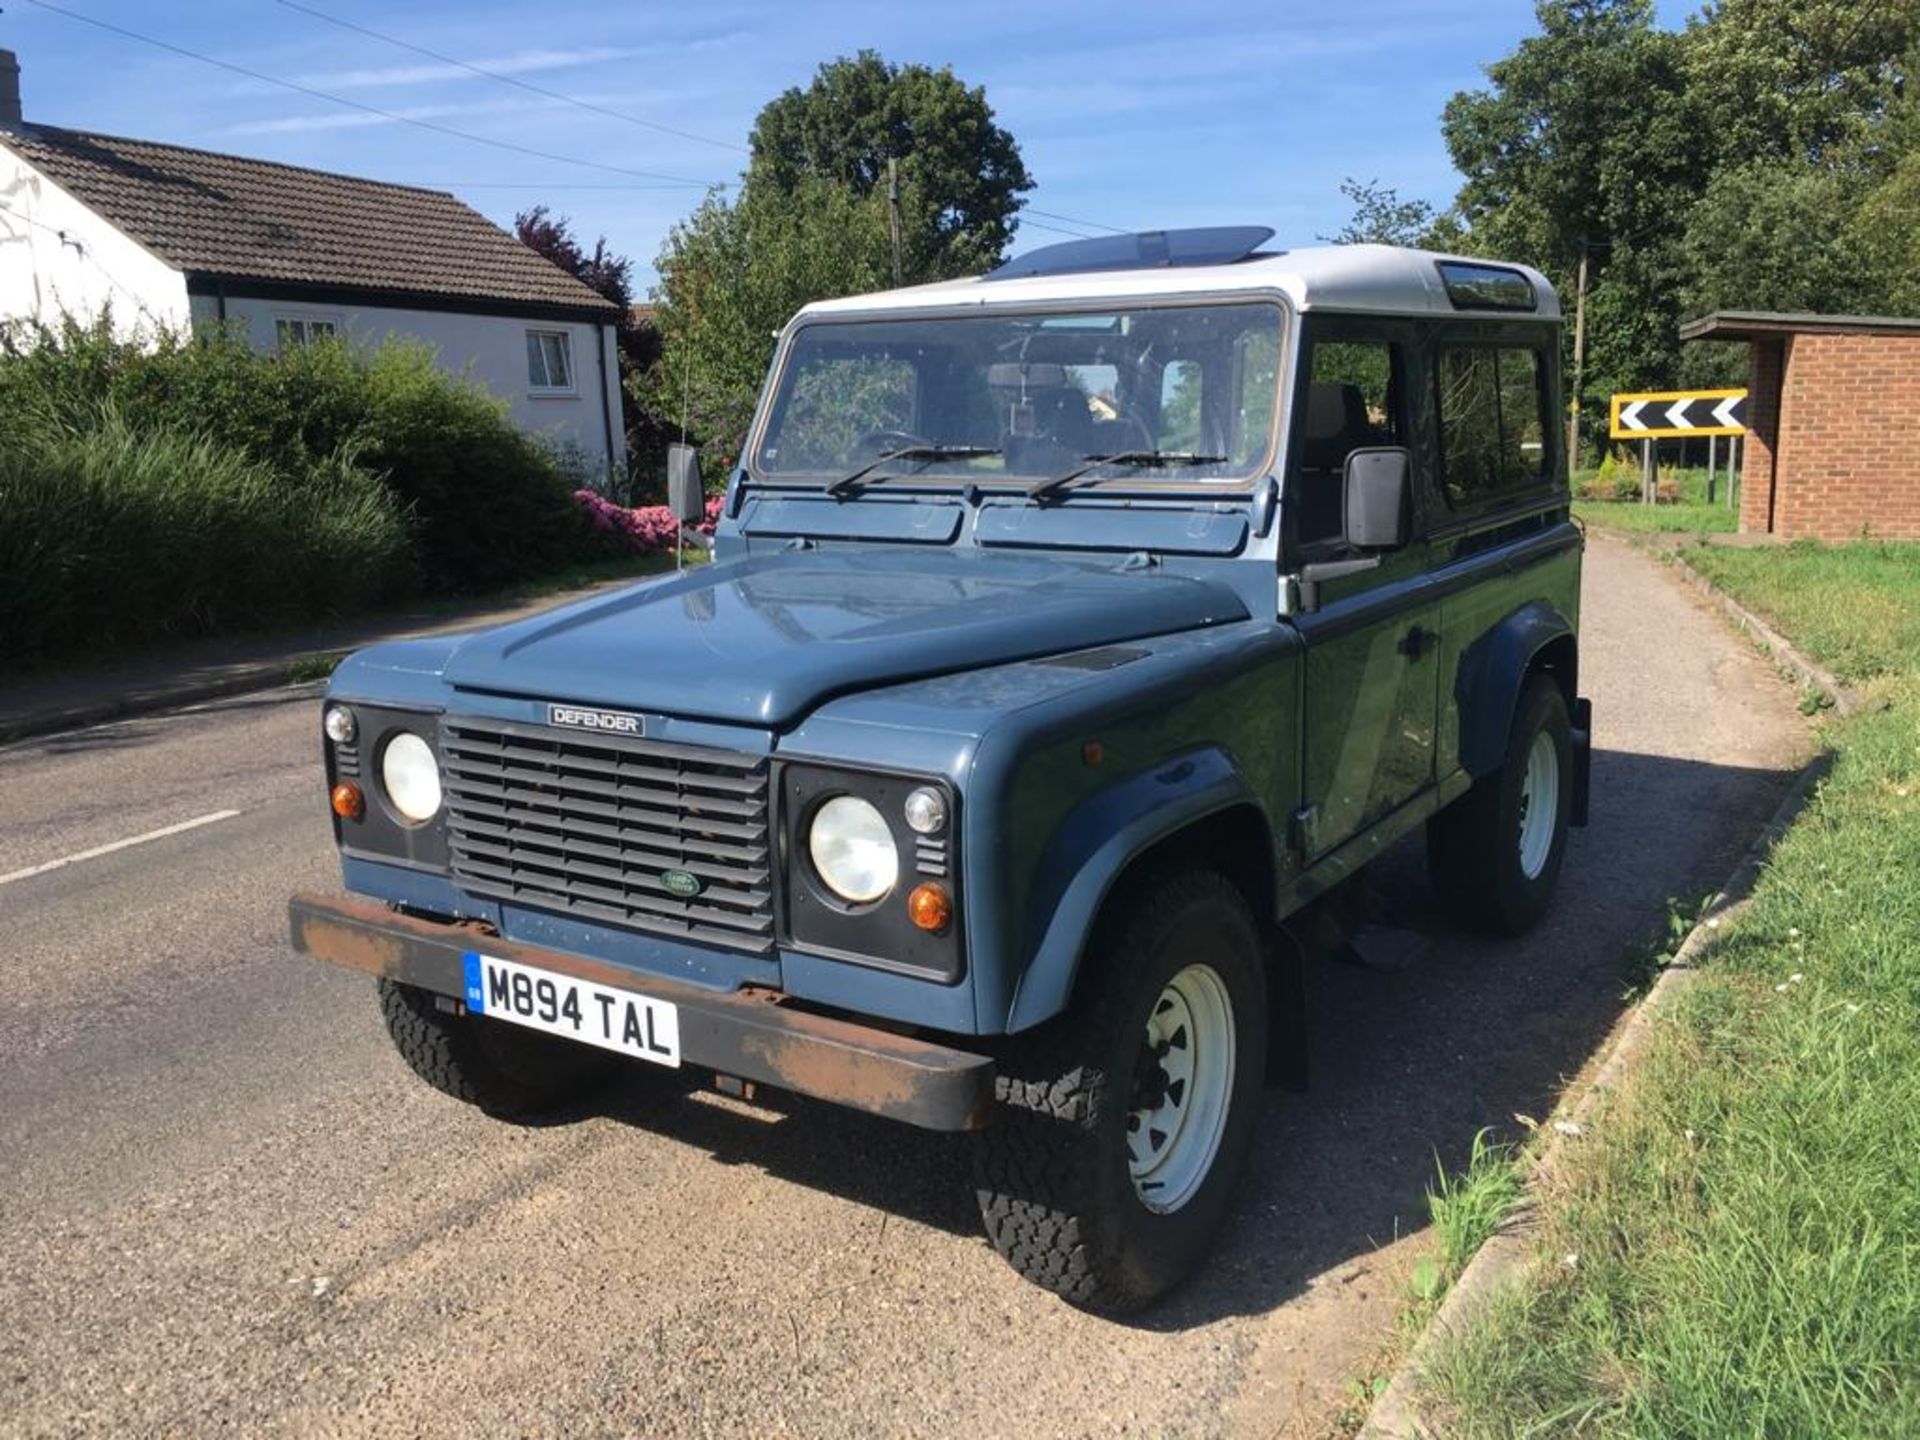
(981, 396)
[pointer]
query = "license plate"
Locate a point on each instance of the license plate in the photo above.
(635, 1025)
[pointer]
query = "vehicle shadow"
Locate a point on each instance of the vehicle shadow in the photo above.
(1407, 1066)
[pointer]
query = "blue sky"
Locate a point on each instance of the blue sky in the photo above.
(1130, 114)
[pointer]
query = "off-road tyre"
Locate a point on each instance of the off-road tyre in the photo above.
(1474, 845)
(1052, 1176)
(507, 1071)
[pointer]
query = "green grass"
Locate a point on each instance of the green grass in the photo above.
(1690, 514)
(1466, 1209)
(1735, 1247)
(1855, 608)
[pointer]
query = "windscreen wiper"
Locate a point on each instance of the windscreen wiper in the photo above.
(1145, 459)
(930, 452)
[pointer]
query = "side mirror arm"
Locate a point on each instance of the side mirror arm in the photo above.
(1307, 580)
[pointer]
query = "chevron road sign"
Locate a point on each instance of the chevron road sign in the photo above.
(1679, 414)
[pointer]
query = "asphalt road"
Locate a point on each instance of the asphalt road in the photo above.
(226, 1207)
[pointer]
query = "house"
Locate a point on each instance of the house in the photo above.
(1833, 420)
(166, 236)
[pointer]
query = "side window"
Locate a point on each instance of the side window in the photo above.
(1353, 401)
(1492, 429)
(1180, 407)
(549, 360)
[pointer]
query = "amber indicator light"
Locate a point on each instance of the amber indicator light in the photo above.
(1092, 753)
(348, 802)
(930, 907)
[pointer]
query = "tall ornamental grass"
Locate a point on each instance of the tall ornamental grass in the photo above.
(184, 485)
(112, 535)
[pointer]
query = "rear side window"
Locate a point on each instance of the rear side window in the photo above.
(1492, 421)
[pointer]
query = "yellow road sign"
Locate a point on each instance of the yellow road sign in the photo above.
(1679, 414)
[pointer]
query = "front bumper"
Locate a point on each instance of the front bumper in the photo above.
(753, 1034)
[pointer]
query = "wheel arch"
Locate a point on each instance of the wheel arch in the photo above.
(1233, 839)
(1535, 639)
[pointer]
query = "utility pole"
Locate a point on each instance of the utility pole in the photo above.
(893, 215)
(1579, 360)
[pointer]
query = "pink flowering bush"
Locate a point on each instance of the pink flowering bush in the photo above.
(643, 529)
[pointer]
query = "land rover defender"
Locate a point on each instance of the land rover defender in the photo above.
(1071, 632)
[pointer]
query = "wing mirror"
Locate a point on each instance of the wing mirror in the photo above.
(1376, 517)
(1379, 498)
(686, 495)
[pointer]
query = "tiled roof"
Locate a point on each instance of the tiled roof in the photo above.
(228, 217)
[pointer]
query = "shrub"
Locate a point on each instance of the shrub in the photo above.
(486, 503)
(641, 529)
(111, 534)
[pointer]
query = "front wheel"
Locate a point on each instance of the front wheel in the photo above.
(509, 1072)
(1125, 1122)
(1495, 853)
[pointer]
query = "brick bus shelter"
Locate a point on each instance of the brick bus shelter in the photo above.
(1833, 415)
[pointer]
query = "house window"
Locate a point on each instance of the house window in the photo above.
(549, 360)
(291, 330)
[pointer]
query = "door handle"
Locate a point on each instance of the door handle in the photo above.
(1415, 642)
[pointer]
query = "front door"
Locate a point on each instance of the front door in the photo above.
(1372, 689)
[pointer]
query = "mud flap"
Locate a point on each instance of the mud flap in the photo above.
(1582, 736)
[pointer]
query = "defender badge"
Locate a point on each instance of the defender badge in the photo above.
(612, 722)
(683, 883)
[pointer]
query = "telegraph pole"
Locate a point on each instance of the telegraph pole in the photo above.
(1579, 360)
(893, 215)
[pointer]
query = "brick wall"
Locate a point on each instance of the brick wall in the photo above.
(1759, 445)
(1845, 444)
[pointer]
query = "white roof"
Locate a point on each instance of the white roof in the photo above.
(1383, 279)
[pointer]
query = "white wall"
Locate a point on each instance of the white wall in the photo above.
(58, 256)
(491, 348)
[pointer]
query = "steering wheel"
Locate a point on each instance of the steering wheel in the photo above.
(879, 442)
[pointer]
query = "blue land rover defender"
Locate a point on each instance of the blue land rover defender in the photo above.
(1072, 633)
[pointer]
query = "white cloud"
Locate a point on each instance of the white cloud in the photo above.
(523, 62)
(360, 119)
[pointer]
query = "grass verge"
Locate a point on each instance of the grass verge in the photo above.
(1734, 1248)
(1690, 514)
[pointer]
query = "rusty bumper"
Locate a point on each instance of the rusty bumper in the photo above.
(756, 1035)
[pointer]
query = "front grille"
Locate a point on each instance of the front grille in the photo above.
(586, 824)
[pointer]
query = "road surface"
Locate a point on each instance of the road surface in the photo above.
(224, 1204)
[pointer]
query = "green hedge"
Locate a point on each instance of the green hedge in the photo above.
(192, 484)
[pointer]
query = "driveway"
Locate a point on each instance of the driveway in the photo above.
(225, 1205)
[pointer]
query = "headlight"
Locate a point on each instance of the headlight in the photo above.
(853, 850)
(411, 776)
(340, 725)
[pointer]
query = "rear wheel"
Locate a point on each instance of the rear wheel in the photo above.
(505, 1070)
(1125, 1122)
(1495, 853)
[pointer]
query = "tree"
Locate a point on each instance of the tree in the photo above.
(1381, 217)
(963, 172)
(731, 275)
(602, 271)
(811, 220)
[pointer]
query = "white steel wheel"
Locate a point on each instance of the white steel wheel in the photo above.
(1182, 1089)
(1539, 805)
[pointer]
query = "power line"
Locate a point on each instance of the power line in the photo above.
(395, 116)
(508, 79)
(524, 185)
(1051, 229)
(1070, 220)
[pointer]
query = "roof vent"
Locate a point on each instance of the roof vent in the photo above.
(1149, 250)
(9, 88)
